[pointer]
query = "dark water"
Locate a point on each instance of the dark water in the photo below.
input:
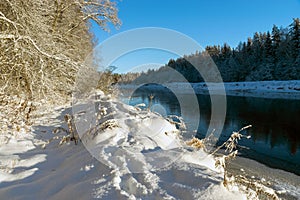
(275, 135)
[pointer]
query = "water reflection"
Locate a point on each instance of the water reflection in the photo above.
(274, 120)
(161, 96)
(275, 135)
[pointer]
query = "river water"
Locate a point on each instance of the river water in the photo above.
(275, 132)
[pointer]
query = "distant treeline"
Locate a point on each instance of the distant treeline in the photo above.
(271, 55)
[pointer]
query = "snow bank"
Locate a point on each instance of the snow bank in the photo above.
(262, 89)
(127, 154)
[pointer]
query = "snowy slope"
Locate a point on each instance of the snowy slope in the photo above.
(142, 157)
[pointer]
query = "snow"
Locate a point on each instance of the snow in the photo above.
(87, 167)
(134, 154)
(261, 89)
(219, 192)
(10, 146)
(20, 175)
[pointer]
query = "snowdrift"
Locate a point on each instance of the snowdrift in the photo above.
(124, 153)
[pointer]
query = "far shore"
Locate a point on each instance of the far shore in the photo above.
(260, 89)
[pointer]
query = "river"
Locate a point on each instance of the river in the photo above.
(275, 132)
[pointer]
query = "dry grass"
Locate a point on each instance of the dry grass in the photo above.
(254, 189)
(232, 142)
(196, 143)
(71, 131)
(222, 162)
(15, 114)
(230, 145)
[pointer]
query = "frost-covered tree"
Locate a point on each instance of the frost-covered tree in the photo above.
(266, 56)
(295, 38)
(44, 43)
(276, 37)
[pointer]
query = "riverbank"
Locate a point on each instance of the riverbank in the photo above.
(260, 89)
(120, 160)
(285, 183)
(274, 132)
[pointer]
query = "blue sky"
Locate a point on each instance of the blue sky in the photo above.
(208, 22)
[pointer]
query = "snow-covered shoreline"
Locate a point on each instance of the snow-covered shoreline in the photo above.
(260, 89)
(44, 169)
(286, 183)
(34, 164)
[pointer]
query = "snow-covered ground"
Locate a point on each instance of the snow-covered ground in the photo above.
(285, 183)
(263, 89)
(134, 154)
